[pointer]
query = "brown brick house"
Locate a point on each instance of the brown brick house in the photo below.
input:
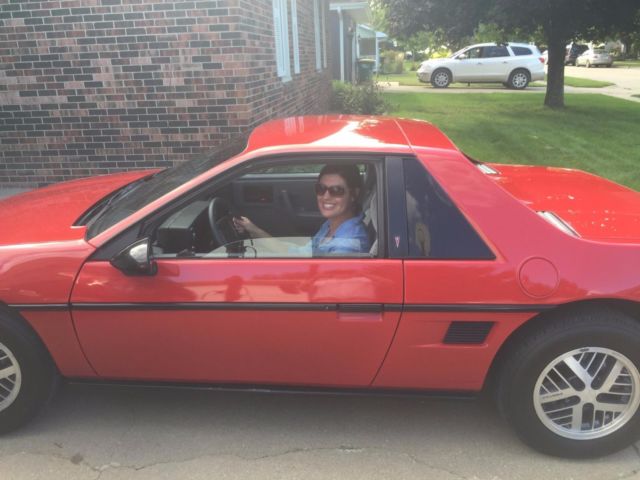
(98, 86)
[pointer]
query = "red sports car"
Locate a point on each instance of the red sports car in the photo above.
(328, 253)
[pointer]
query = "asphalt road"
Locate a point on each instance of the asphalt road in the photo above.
(92, 432)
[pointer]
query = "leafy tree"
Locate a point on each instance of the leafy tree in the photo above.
(558, 21)
(423, 44)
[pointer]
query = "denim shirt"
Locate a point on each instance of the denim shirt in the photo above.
(350, 237)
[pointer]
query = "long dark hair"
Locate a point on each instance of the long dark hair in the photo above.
(351, 175)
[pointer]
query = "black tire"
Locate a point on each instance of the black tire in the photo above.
(26, 392)
(519, 79)
(441, 78)
(538, 362)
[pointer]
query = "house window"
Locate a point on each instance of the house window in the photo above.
(318, 19)
(294, 34)
(281, 31)
(324, 36)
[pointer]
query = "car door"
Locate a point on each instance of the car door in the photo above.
(469, 65)
(496, 62)
(295, 321)
(459, 297)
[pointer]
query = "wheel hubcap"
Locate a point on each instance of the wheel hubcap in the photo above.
(441, 79)
(10, 377)
(587, 393)
(519, 80)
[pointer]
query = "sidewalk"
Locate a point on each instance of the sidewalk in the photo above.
(612, 91)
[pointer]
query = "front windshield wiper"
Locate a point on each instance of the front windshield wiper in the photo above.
(100, 208)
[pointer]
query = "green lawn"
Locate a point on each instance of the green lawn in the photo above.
(594, 133)
(627, 63)
(411, 79)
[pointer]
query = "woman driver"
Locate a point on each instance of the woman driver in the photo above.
(337, 191)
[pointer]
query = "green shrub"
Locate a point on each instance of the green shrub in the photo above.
(392, 62)
(364, 99)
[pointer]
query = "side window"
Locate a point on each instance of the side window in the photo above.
(437, 229)
(473, 53)
(284, 210)
(521, 51)
(495, 52)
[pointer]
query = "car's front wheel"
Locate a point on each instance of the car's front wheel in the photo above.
(441, 78)
(519, 79)
(571, 387)
(27, 374)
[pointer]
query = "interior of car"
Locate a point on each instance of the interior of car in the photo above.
(280, 199)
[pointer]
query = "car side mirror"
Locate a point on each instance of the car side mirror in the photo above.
(136, 259)
(462, 56)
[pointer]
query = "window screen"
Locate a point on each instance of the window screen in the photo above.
(437, 229)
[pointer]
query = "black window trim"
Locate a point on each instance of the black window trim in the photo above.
(146, 226)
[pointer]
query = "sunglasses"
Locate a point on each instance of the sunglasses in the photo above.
(334, 190)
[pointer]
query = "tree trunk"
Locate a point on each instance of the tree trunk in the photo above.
(555, 74)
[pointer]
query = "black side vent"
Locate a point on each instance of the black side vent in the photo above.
(467, 333)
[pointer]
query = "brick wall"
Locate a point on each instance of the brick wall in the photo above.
(99, 86)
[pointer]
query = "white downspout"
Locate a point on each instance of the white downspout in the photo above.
(377, 64)
(341, 21)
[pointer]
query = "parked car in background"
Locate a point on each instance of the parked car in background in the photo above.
(512, 64)
(574, 50)
(519, 280)
(595, 58)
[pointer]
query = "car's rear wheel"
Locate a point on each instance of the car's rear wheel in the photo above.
(519, 79)
(571, 387)
(441, 78)
(27, 374)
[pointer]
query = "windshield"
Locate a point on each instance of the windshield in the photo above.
(454, 54)
(140, 193)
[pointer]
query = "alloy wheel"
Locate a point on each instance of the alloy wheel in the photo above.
(587, 393)
(10, 377)
(441, 79)
(519, 80)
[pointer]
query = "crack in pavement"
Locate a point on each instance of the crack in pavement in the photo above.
(99, 470)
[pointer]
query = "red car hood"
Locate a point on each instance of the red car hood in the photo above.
(47, 214)
(596, 208)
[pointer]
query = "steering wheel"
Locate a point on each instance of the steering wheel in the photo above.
(221, 222)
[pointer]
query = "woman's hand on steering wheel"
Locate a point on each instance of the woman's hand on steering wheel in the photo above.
(221, 222)
(244, 225)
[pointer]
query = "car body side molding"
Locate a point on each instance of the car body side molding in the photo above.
(309, 307)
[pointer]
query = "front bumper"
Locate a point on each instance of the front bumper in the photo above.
(424, 77)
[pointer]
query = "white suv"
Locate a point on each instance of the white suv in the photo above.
(512, 64)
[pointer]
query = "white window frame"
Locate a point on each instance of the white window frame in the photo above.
(323, 32)
(281, 34)
(318, 33)
(295, 35)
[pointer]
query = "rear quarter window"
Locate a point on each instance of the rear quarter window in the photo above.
(436, 228)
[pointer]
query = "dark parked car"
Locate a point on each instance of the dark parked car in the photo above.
(573, 52)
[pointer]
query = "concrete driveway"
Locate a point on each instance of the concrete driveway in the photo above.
(627, 80)
(93, 432)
